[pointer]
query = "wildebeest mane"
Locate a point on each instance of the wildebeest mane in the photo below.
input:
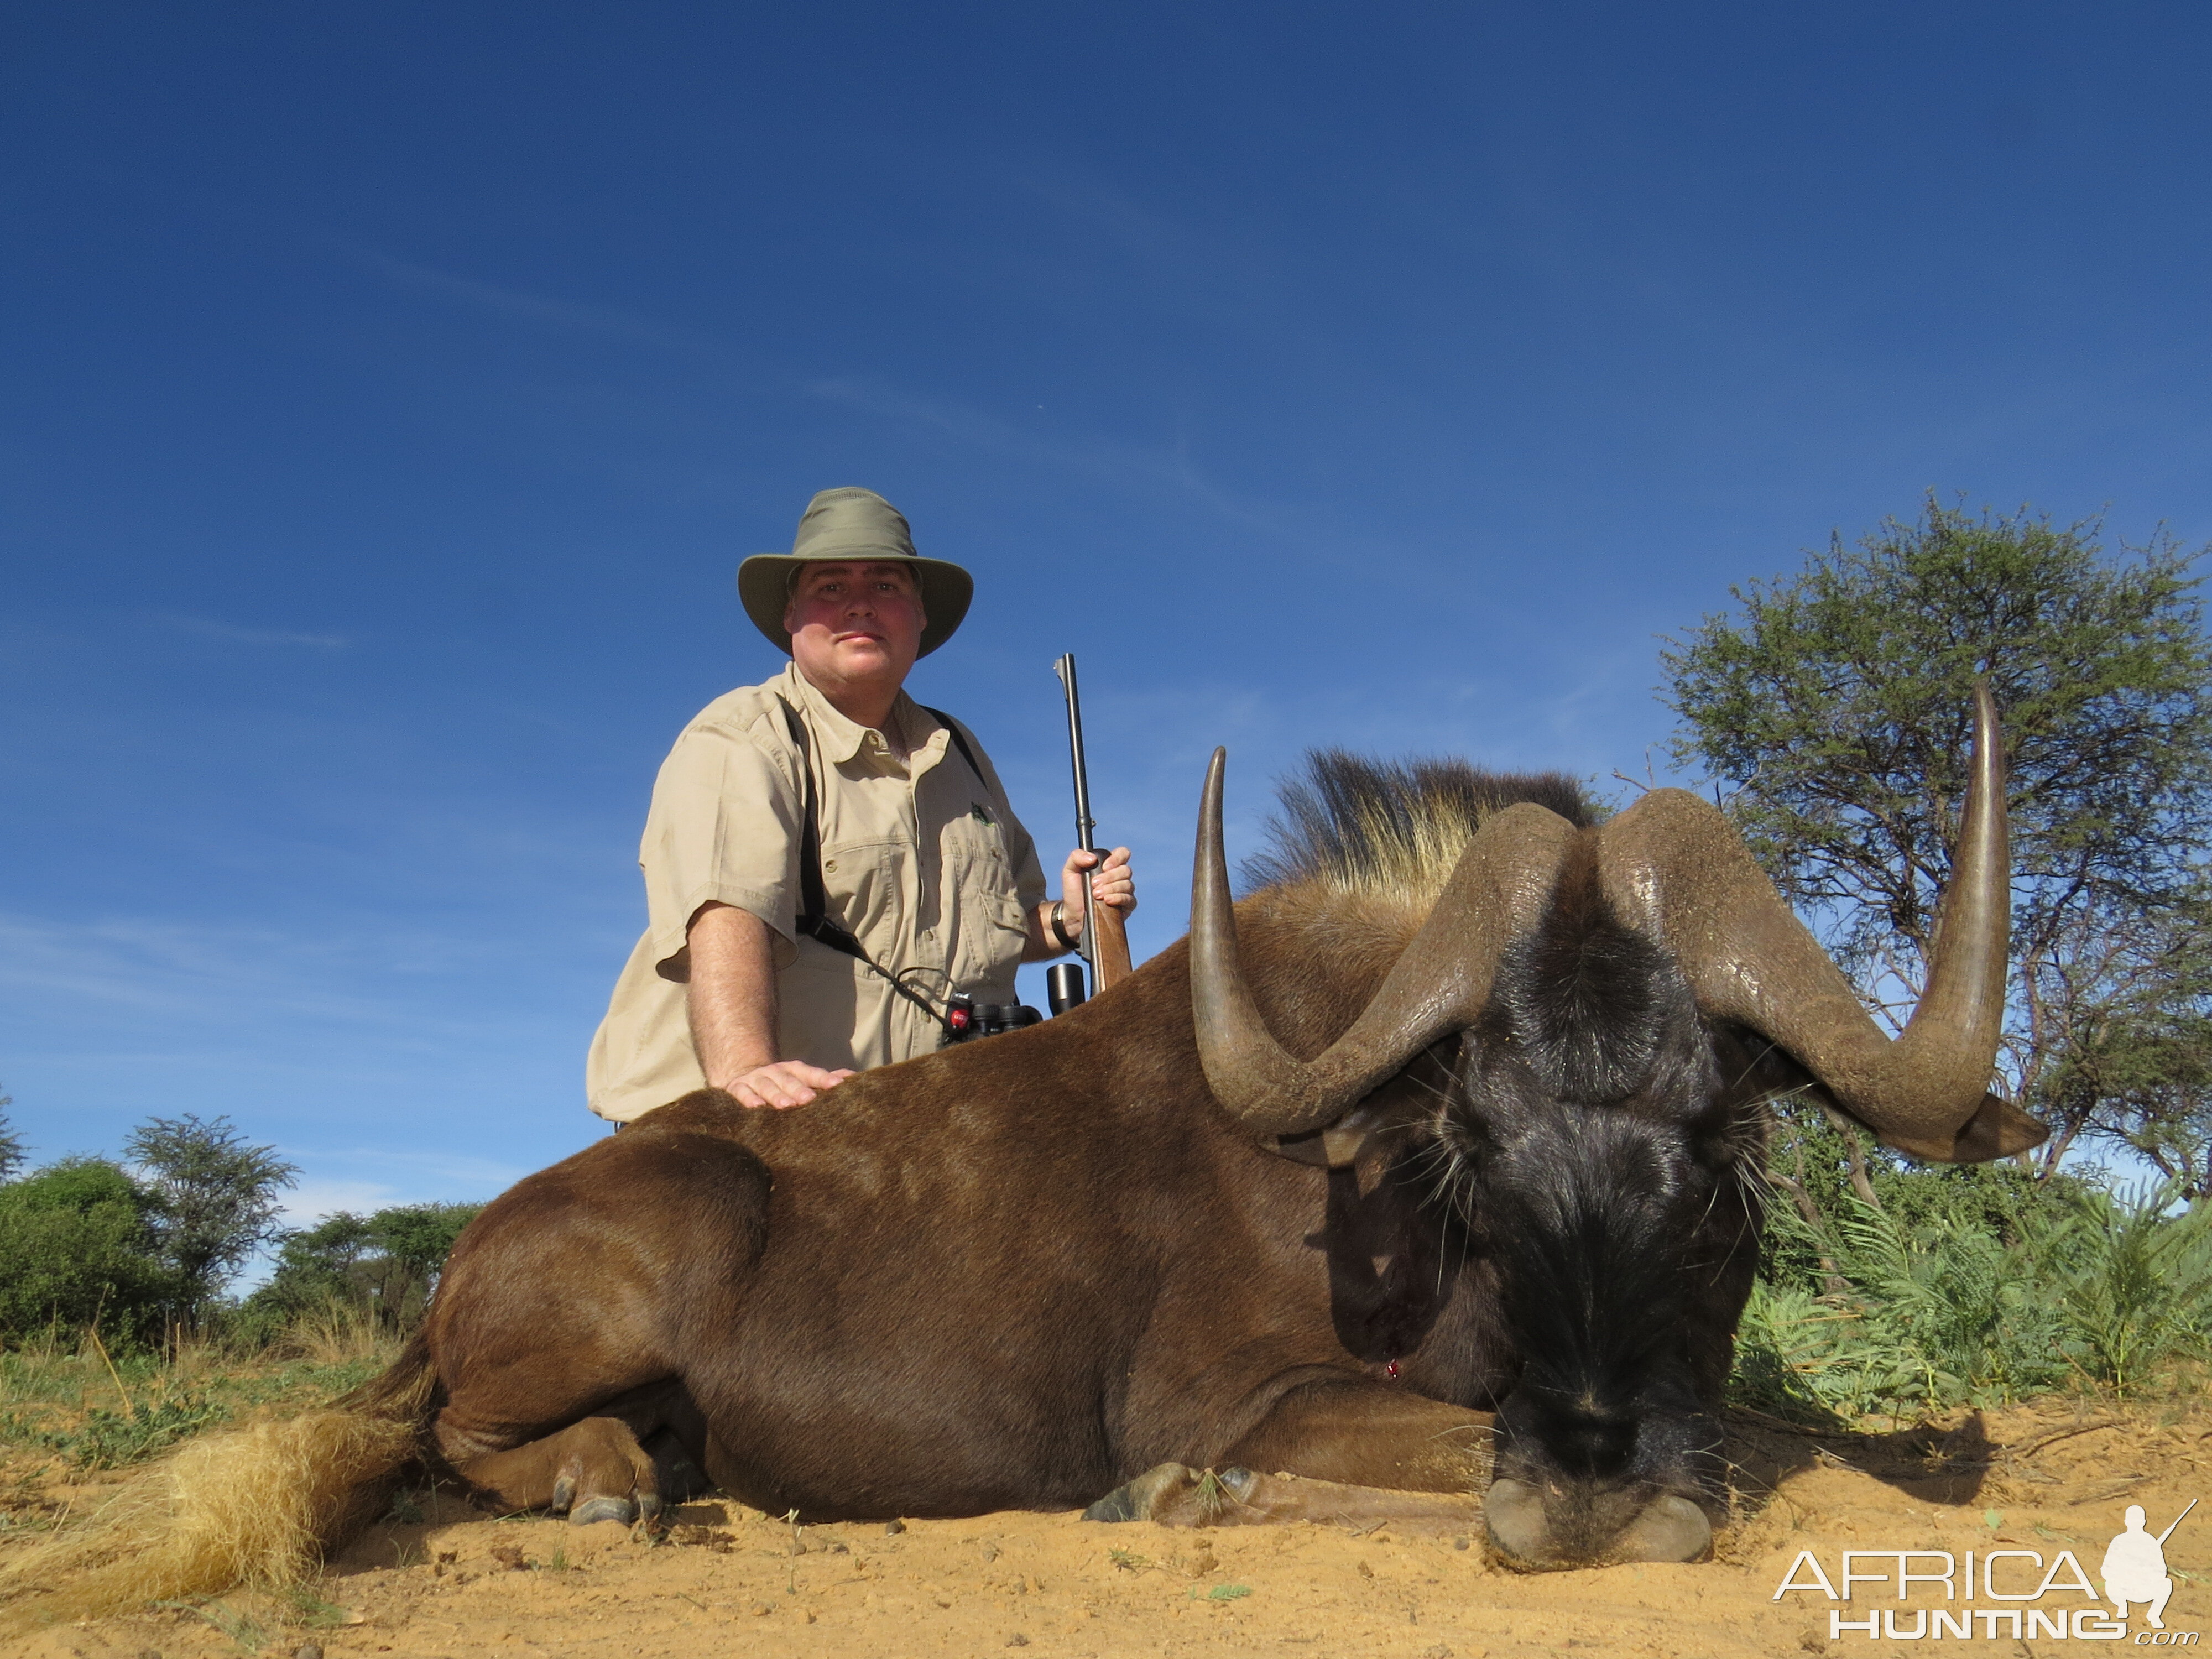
(1391, 828)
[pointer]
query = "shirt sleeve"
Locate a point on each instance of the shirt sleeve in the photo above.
(723, 829)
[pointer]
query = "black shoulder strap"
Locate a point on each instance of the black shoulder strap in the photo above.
(958, 742)
(813, 918)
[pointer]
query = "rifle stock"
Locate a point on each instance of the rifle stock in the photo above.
(1109, 954)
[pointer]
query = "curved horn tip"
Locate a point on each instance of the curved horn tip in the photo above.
(1209, 797)
(1209, 793)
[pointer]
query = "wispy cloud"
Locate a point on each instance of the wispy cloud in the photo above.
(208, 627)
(1117, 463)
(171, 968)
(542, 311)
(367, 1178)
(393, 1083)
(313, 1199)
(166, 982)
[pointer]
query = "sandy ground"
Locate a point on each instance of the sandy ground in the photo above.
(732, 1581)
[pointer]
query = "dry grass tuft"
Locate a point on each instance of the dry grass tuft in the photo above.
(339, 1332)
(256, 1505)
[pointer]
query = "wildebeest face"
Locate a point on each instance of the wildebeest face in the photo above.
(1597, 1167)
(1600, 1155)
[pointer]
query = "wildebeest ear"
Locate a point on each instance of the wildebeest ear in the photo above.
(1382, 1122)
(1997, 1129)
(1311, 1148)
(1373, 1126)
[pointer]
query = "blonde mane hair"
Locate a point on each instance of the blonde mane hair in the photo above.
(1392, 830)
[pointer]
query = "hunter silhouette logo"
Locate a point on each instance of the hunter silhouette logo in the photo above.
(2133, 1570)
(2134, 1567)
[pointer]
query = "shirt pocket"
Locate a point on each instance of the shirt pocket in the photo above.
(990, 931)
(867, 898)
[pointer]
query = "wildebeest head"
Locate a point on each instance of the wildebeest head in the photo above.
(1602, 1167)
(1605, 987)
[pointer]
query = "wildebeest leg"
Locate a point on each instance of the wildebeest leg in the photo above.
(596, 1470)
(1357, 1451)
(491, 1433)
(1370, 1434)
(624, 1461)
(554, 1328)
(1176, 1496)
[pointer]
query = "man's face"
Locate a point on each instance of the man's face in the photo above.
(855, 623)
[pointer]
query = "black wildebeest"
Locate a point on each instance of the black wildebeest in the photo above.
(1434, 1159)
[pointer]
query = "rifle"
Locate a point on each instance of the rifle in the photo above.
(1105, 936)
(2178, 1519)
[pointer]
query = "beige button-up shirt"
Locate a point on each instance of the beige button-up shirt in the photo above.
(922, 859)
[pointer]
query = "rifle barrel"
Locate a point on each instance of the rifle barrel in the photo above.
(1064, 667)
(2178, 1519)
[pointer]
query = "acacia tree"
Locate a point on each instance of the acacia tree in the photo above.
(1832, 707)
(216, 1199)
(11, 1144)
(387, 1263)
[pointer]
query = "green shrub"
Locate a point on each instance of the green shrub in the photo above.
(1970, 1288)
(77, 1247)
(2134, 1281)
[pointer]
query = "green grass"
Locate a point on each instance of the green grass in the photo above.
(1946, 1302)
(95, 1418)
(304, 1606)
(109, 1440)
(246, 1632)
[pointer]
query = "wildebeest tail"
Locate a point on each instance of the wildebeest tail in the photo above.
(257, 1506)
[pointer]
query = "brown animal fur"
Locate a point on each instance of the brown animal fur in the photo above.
(1013, 1274)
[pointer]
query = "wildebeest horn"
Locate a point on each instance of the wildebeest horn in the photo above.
(1672, 863)
(1498, 892)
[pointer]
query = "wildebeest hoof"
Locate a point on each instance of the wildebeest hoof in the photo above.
(1116, 1505)
(594, 1509)
(1670, 1528)
(564, 1493)
(1513, 1515)
(1141, 1499)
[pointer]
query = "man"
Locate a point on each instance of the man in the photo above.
(2135, 1571)
(755, 975)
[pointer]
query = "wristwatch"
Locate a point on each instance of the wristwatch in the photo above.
(1059, 925)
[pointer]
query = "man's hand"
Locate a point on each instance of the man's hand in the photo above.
(1112, 882)
(782, 1084)
(732, 1003)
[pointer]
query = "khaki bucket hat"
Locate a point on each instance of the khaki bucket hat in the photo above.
(853, 526)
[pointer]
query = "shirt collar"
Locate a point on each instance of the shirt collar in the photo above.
(842, 739)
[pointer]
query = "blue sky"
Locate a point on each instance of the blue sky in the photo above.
(392, 392)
